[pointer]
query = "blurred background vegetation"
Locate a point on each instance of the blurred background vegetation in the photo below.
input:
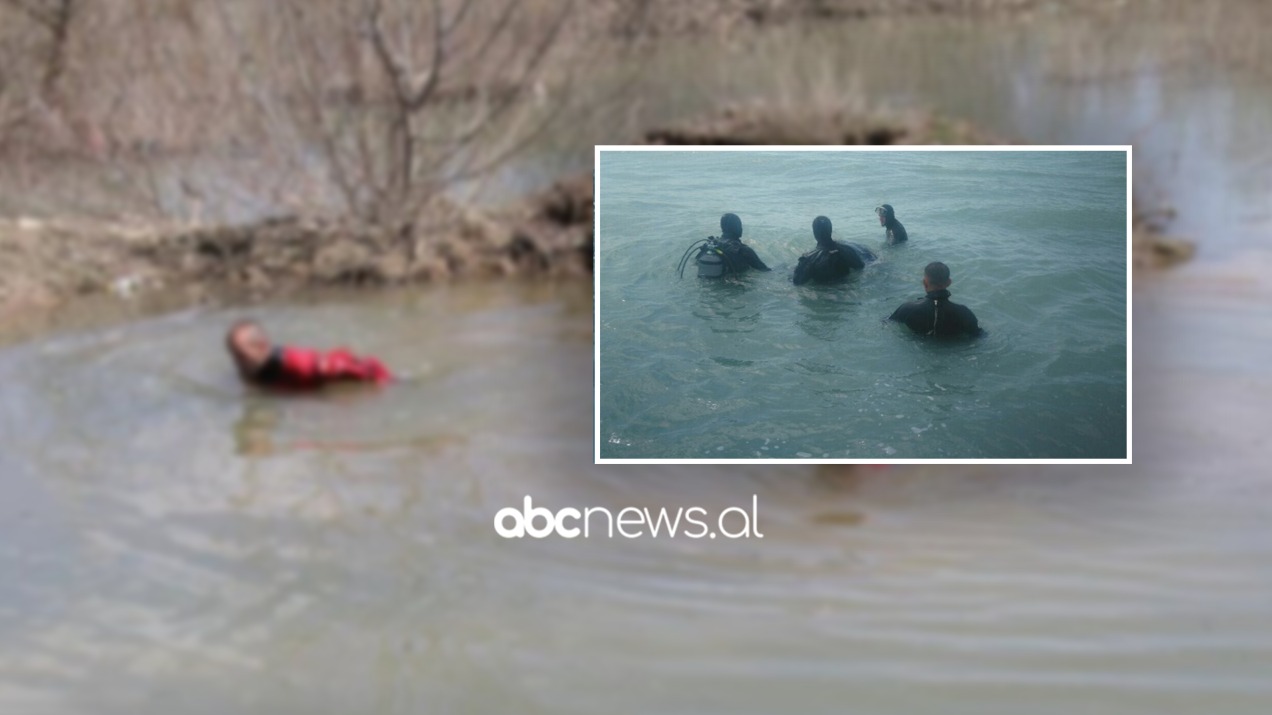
(234, 110)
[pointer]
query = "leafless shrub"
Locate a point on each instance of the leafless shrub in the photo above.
(399, 98)
(366, 106)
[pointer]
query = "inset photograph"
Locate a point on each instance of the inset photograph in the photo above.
(863, 304)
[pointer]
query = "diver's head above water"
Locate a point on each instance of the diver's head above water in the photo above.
(821, 231)
(249, 345)
(730, 226)
(886, 214)
(936, 276)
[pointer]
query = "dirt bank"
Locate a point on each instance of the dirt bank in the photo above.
(658, 18)
(46, 263)
(43, 264)
(767, 125)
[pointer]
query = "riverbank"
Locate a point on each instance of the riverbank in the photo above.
(68, 236)
(44, 264)
(661, 18)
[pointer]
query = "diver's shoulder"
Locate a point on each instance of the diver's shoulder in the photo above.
(910, 306)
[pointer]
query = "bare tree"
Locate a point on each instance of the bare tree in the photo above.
(369, 107)
(402, 98)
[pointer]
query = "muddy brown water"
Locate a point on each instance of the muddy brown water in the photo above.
(174, 544)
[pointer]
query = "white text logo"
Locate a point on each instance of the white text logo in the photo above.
(629, 523)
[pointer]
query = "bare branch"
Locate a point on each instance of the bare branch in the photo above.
(504, 103)
(312, 94)
(421, 96)
(501, 24)
(388, 140)
(516, 147)
(389, 63)
(458, 18)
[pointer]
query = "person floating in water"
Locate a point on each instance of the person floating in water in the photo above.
(262, 363)
(832, 260)
(888, 219)
(724, 255)
(935, 313)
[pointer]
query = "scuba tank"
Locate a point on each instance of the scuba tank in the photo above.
(711, 263)
(710, 258)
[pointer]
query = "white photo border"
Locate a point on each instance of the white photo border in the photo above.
(596, 292)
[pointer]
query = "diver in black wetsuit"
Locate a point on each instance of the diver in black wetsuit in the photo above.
(738, 255)
(888, 219)
(717, 257)
(934, 313)
(832, 260)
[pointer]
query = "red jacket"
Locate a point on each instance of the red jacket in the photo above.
(307, 368)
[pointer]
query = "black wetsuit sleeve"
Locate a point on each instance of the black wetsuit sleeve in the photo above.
(898, 233)
(970, 324)
(752, 258)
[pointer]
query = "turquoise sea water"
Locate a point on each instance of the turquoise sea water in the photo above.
(756, 367)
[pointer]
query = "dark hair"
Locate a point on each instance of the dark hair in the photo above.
(937, 273)
(821, 229)
(731, 225)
